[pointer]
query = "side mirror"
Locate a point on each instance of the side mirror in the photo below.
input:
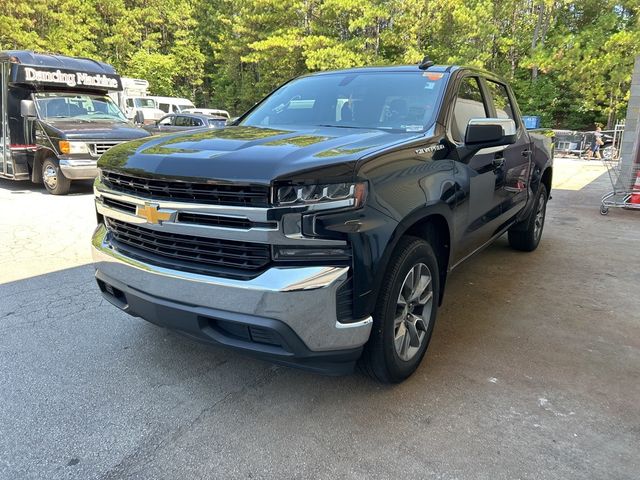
(138, 118)
(28, 109)
(490, 132)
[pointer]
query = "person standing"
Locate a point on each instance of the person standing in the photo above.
(594, 148)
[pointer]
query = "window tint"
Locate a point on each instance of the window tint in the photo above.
(501, 100)
(395, 101)
(469, 104)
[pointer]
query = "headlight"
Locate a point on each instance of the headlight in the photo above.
(73, 147)
(321, 193)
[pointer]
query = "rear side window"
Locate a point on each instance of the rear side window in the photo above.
(501, 100)
(164, 107)
(469, 104)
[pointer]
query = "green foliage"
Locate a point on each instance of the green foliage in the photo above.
(569, 61)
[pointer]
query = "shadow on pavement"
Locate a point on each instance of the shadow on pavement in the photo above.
(78, 187)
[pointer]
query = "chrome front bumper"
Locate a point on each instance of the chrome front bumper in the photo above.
(303, 298)
(79, 169)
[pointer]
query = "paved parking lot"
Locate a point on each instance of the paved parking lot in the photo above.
(533, 370)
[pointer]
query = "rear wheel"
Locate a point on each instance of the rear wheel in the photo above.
(526, 235)
(405, 313)
(54, 180)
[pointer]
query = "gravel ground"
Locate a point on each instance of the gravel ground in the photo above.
(533, 370)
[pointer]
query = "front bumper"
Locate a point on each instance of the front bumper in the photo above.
(285, 314)
(79, 168)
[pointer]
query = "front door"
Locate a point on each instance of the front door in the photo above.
(479, 177)
(6, 164)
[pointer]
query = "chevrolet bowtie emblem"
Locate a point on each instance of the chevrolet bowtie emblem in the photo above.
(152, 213)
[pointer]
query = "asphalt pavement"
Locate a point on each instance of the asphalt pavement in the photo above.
(533, 371)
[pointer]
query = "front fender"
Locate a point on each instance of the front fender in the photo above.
(373, 251)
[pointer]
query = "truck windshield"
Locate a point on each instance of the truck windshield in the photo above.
(142, 102)
(78, 107)
(394, 101)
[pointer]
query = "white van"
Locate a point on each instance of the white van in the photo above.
(133, 98)
(172, 104)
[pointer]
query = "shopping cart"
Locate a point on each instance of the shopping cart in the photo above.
(625, 181)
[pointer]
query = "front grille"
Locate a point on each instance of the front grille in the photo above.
(187, 252)
(118, 205)
(216, 194)
(214, 220)
(99, 148)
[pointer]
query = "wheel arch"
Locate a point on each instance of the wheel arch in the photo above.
(40, 156)
(433, 223)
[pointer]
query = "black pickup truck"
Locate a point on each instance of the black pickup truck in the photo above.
(319, 228)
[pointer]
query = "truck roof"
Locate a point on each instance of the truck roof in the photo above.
(406, 68)
(29, 57)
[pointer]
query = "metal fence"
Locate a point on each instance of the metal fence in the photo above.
(576, 143)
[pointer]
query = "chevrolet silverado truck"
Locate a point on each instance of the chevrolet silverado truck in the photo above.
(318, 230)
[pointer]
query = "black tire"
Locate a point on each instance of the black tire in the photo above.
(526, 235)
(380, 359)
(53, 179)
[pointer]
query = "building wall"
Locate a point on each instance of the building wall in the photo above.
(630, 140)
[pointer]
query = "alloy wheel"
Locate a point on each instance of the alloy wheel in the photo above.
(539, 220)
(413, 312)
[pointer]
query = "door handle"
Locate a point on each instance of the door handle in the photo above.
(498, 161)
(526, 153)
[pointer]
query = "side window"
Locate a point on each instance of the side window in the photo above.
(182, 121)
(469, 104)
(501, 100)
(196, 122)
(130, 102)
(164, 107)
(166, 121)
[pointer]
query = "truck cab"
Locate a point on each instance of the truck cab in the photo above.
(56, 118)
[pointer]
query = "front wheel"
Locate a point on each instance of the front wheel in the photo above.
(526, 235)
(54, 180)
(405, 313)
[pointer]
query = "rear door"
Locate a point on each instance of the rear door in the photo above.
(517, 157)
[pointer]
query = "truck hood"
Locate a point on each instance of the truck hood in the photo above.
(79, 130)
(253, 155)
